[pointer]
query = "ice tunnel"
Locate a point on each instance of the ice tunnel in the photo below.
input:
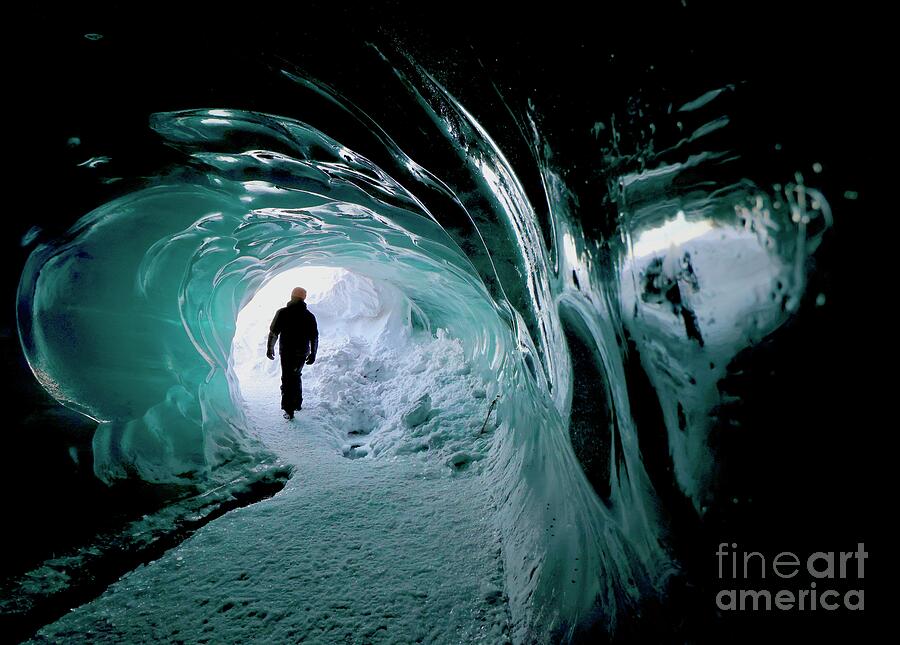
(149, 316)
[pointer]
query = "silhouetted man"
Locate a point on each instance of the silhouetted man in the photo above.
(299, 342)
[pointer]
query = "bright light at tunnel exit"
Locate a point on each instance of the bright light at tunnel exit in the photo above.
(672, 233)
(252, 325)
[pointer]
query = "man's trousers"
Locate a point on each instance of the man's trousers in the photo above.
(291, 382)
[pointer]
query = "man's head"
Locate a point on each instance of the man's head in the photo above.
(298, 293)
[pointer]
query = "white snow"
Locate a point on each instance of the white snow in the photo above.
(385, 533)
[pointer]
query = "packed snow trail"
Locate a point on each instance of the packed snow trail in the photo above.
(397, 549)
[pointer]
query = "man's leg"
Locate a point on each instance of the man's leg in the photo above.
(300, 386)
(288, 383)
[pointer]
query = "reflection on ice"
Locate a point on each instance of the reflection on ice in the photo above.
(696, 292)
(671, 233)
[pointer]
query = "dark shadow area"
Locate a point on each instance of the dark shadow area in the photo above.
(74, 539)
(590, 422)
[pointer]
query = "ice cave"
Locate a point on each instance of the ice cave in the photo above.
(542, 389)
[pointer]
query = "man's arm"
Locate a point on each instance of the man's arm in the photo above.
(274, 330)
(313, 340)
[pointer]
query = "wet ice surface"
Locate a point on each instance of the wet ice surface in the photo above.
(397, 548)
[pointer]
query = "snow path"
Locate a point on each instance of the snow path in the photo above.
(393, 550)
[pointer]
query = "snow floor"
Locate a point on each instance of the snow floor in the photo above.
(364, 545)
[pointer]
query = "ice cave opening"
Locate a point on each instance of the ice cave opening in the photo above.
(248, 357)
(384, 383)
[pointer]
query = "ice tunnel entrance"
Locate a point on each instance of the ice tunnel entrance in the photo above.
(252, 326)
(384, 382)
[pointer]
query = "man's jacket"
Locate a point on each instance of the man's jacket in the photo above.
(296, 326)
